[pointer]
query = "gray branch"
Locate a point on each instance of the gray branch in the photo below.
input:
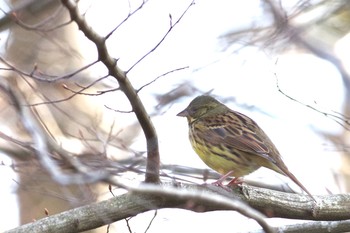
(201, 198)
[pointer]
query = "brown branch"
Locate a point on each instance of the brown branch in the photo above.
(152, 169)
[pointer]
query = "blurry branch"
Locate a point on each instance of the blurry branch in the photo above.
(40, 27)
(43, 143)
(283, 31)
(152, 169)
(39, 76)
(33, 6)
(196, 198)
(182, 90)
(20, 151)
(282, 25)
(286, 30)
(339, 118)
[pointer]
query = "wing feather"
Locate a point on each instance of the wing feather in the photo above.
(228, 129)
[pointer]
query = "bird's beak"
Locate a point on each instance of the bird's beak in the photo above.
(183, 113)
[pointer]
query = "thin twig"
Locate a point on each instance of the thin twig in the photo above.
(37, 75)
(160, 76)
(126, 18)
(150, 223)
(172, 25)
(43, 143)
(338, 118)
(40, 27)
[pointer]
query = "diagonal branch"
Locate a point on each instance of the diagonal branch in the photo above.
(42, 144)
(172, 25)
(152, 168)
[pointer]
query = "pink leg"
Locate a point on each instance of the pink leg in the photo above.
(235, 181)
(222, 178)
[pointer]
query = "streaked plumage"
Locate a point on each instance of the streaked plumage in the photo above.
(228, 141)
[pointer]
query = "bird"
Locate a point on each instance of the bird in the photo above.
(230, 142)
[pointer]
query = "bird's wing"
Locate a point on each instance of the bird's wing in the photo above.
(236, 131)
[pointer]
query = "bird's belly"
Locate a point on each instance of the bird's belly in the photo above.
(224, 161)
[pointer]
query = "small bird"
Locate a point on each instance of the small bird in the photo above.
(229, 142)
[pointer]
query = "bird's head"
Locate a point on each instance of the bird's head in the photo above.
(201, 106)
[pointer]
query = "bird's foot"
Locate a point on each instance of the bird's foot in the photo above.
(235, 182)
(222, 178)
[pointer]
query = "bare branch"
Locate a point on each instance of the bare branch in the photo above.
(37, 75)
(172, 25)
(119, 111)
(152, 169)
(36, 6)
(160, 76)
(139, 200)
(42, 143)
(41, 27)
(313, 226)
(81, 91)
(126, 18)
(150, 223)
(198, 198)
(336, 117)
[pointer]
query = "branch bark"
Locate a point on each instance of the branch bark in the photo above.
(199, 199)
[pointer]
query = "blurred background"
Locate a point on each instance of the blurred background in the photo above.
(283, 63)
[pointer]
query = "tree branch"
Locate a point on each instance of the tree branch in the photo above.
(141, 199)
(42, 145)
(198, 198)
(152, 168)
(311, 227)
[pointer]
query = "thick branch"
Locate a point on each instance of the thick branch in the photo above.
(297, 206)
(139, 200)
(152, 168)
(200, 199)
(313, 227)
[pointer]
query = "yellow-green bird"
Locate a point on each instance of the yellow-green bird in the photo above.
(229, 142)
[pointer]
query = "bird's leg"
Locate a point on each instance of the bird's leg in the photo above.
(235, 181)
(221, 179)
